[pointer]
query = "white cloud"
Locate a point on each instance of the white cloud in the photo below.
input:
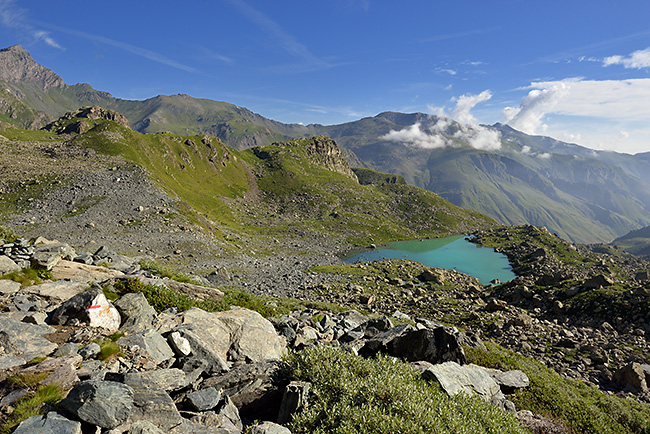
(469, 131)
(13, 17)
(465, 103)
(415, 136)
(544, 156)
(591, 113)
(534, 106)
(637, 60)
(480, 137)
(41, 35)
(526, 150)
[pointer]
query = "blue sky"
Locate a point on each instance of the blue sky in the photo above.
(575, 70)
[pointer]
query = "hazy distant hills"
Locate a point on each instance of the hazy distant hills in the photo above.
(581, 194)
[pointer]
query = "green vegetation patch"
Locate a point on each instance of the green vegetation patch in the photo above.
(162, 298)
(35, 403)
(350, 394)
(579, 406)
(29, 276)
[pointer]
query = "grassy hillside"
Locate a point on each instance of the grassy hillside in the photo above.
(635, 242)
(288, 188)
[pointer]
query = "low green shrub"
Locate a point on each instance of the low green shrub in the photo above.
(581, 407)
(29, 276)
(166, 271)
(351, 394)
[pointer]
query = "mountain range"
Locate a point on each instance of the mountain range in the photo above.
(581, 194)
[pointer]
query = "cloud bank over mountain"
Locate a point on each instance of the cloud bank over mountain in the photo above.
(438, 135)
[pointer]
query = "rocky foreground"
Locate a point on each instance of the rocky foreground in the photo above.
(123, 367)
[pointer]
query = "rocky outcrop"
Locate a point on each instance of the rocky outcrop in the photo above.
(320, 150)
(63, 125)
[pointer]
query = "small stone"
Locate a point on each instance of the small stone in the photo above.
(204, 399)
(179, 344)
(89, 351)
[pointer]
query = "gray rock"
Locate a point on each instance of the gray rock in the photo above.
(137, 314)
(60, 290)
(144, 427)
(510, 381)
(203, 356)
(8, 287)
(12, 397)
(631, 377)
(89, 351)
(7, 265)
(50, 423)
(294, 400)
(255, 388)
(107, 404)
(90, 307)
(204, 399)
(238, 334)
(9, 362)
(469, 379)
(67, 349)
(25, 340)
(434, 346)
(151, 403)
(35, 318)
(150, 341)
(269, 428)
(168, 379)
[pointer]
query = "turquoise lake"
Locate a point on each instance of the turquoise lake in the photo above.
(452, 253)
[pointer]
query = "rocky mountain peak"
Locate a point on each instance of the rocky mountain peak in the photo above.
(17, 66)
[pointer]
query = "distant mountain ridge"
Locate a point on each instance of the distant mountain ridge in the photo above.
(581, 194)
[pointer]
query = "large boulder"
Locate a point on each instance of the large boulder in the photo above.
(106, 404)
(255, 388)
(7, 265)
(60, 290)
(69, 270)
(434, 345)
(631, 377)
(89, 307)
(237, 335)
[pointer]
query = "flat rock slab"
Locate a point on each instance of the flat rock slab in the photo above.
(8, 287)
(69, 270)
(25, 340)
(60, 290)
(469, 379)
(50, 423)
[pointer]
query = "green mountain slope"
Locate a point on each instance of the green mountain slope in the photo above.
(583, 195)
(302, 186)
(636, 242)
